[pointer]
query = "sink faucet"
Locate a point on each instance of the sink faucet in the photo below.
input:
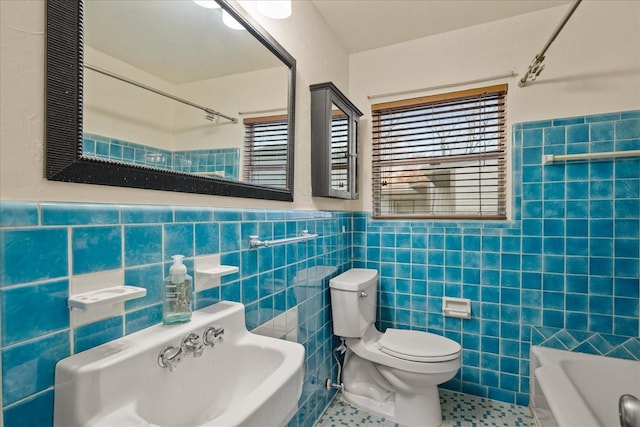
(629, 410)
(192, 343)
(170, 356)
(212, 335)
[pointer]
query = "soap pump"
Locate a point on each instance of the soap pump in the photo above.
(176, 304)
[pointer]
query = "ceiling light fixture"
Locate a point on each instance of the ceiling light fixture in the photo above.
(230, 21)
(209, 4)
(277, 9)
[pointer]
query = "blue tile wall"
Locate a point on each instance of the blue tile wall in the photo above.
(564, 272)
(219, 161)
(44, 245)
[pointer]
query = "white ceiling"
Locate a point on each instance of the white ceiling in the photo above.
(178, 41)
(368, 24)
(182, 42)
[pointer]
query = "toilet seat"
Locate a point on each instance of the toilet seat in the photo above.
(368, 348)
(418, 346)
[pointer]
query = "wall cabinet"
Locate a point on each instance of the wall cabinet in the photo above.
(334, 143)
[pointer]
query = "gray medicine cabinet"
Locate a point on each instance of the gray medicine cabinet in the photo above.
(334, 143)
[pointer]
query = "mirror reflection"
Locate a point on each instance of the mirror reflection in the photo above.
(339, 148)
(168, 85)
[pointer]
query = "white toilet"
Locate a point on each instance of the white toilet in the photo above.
(394, 374)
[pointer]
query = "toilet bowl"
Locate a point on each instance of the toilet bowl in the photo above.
(394, 373)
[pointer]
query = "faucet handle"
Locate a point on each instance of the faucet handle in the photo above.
(213, 335)
(169, 357)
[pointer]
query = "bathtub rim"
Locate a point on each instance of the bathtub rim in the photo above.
(549, 379)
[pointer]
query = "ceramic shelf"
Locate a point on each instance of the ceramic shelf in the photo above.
(217, 271)
(102, 297)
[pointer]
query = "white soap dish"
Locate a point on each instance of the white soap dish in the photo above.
(101, 297)
(217, 271)
(208, 273)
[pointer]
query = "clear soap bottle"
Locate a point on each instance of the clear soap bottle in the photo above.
(177, 293)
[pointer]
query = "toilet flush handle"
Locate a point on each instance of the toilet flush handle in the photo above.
(363, 294)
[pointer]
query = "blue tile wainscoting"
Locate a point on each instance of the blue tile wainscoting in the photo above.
(564, 272)
(224, 162)
(44, 246)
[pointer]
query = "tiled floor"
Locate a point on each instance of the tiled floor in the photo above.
(458, 409)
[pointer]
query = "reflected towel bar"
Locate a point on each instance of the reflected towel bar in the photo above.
(254, 242)
(210, 114)
(550, 158)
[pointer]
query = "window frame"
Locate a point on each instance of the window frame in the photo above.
(499, 154)
(248, 148)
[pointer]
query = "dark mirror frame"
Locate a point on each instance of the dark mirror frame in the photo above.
(63, 117)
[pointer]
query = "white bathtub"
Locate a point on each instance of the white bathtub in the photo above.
(574, 389)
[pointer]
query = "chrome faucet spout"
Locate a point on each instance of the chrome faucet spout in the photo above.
(629, 411)
(192, 343)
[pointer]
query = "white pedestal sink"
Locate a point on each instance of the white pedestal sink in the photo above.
(245, 380)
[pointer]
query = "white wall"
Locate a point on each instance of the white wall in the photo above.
(230, 95)
(305, 35)
(592, 67)
(119, 110)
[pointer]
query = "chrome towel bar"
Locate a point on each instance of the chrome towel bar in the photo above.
(550, 158)
(254, 242)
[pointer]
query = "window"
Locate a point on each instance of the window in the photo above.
(265, 151)
(441, 156)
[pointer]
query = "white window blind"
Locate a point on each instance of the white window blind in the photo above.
(265, 151)
(339, 149)
(441, 156)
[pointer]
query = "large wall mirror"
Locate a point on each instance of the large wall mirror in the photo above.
(164, 95)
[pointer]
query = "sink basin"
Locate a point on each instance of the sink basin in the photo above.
(245, 380)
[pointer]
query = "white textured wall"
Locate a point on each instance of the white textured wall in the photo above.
(592, 67)
(305, 35)
(252, 91)
(119, 110)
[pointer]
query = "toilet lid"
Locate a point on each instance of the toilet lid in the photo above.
(418, 346)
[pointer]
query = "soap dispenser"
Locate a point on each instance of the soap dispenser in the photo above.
(176, 303)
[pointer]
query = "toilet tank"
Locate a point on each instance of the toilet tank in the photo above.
(353, 302)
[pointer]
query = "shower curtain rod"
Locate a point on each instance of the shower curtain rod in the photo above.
(444, 86)
(536, 66)
(270, 110)
(211, 114)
